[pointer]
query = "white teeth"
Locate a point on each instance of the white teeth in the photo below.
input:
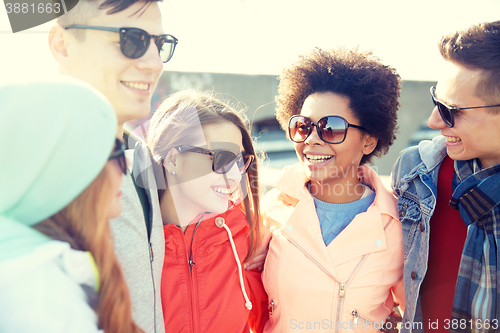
(222, 190)
(318, 158)
(452, 139)
(136, 85)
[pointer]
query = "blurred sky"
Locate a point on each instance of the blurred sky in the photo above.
(262, 36)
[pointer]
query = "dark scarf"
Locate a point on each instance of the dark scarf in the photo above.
(476, 195)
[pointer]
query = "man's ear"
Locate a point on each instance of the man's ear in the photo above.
(370, 144)
(58, 43)
(171, 161)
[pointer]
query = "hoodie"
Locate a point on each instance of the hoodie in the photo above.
(56, 136)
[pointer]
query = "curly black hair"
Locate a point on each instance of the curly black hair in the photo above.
(372, 88)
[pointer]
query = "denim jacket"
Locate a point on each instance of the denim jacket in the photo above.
(414, 181)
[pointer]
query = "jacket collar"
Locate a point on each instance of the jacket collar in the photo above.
(293, 184)
(432, 152)
(234, 216)
(384, 199)
(303, 228)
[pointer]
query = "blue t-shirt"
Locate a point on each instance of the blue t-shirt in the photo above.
(333, 218)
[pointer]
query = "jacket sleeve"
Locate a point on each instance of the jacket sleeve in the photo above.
(407, 160)
(259, 314)
(398, 292)
(394, 269)
(44, 301)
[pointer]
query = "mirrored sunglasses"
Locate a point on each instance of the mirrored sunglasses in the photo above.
(331, 129)
(134, 42)
(222, 160)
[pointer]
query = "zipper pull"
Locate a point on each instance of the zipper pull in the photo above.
(341, 292)
(270, 308)
(151, 254)
(191, 262)
(356, 317)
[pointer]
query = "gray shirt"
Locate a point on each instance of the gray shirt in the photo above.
(141, 261)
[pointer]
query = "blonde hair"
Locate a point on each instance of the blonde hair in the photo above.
(174, 123)
(84, 225)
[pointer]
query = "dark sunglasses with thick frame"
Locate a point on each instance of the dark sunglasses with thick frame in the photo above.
(331, 129)
(134, 42)
(118, 153)
(447, 112)
(222, 160)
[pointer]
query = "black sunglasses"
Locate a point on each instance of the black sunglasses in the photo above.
(222, 160)
(446, 111)
(331, 129)
(119, 153)
(134, 42)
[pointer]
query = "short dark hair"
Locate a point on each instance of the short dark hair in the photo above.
(477, 47)
(116, 6)
(372, 88)
(86, 9)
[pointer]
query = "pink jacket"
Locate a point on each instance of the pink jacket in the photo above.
(346, 286)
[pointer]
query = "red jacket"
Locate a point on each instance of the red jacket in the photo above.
(206, 295)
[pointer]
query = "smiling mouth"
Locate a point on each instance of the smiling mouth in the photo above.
(136, 85)
(318, 158)
(452, 139)
(222, 190)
